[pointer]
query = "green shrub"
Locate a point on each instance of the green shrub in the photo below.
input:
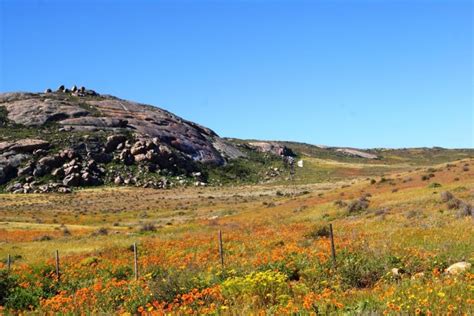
(23, 298)
(121, 273)
(360, 270)
(7, 284)
(3, 116)
(319, 231)
(167, 284)
(358, 206)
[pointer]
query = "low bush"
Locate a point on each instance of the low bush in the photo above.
(101, 232)
(21, 298)
(147, 227)
(454, 203)
(359, 270)
(167, 284)
(359, 205)
(318, 231)
(446, 196)
(7, 284)
(465, 210)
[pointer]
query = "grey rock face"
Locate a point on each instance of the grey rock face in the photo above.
(270, 147)
(23, 145)
(356, 153)
(36, 112)
(109, 113)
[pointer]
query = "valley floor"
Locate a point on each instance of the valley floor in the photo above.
(276, 247)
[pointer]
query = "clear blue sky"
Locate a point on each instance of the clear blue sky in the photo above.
(346, 73)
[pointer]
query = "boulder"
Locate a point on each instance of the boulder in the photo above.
(138, 148)
(113, 141)
(126, 157)
(458, 267)
(152, 156)
(64, 189)
(14, 187)
(90, 179)
(58, 173)
(13, 159)
(41, 170)
(51, 161)
(72, 180)
(118, 180)
(26, 170)
(40, 152)
(67, 154)
(71, 169)
(140, 158)
(397, 272)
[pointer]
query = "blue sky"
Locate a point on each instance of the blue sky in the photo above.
(345, 73)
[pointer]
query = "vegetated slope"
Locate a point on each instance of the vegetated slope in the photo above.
(321, 164)
(395, 239)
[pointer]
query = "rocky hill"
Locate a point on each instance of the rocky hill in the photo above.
(58, 140)
(77, 137)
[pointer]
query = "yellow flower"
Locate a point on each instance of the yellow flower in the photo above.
(441, 294)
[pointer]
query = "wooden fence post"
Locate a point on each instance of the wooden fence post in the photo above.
(221, 248)
(57, 265)
(9, 263)
(333, 248)
(135, 260)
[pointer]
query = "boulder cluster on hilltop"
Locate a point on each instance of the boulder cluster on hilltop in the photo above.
(75, 91)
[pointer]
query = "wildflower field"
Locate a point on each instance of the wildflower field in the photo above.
(395, 236)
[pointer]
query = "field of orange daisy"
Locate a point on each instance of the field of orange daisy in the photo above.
(395, 238)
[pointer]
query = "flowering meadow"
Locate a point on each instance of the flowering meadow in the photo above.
(395, 236)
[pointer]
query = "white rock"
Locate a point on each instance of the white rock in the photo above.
(458, 267)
